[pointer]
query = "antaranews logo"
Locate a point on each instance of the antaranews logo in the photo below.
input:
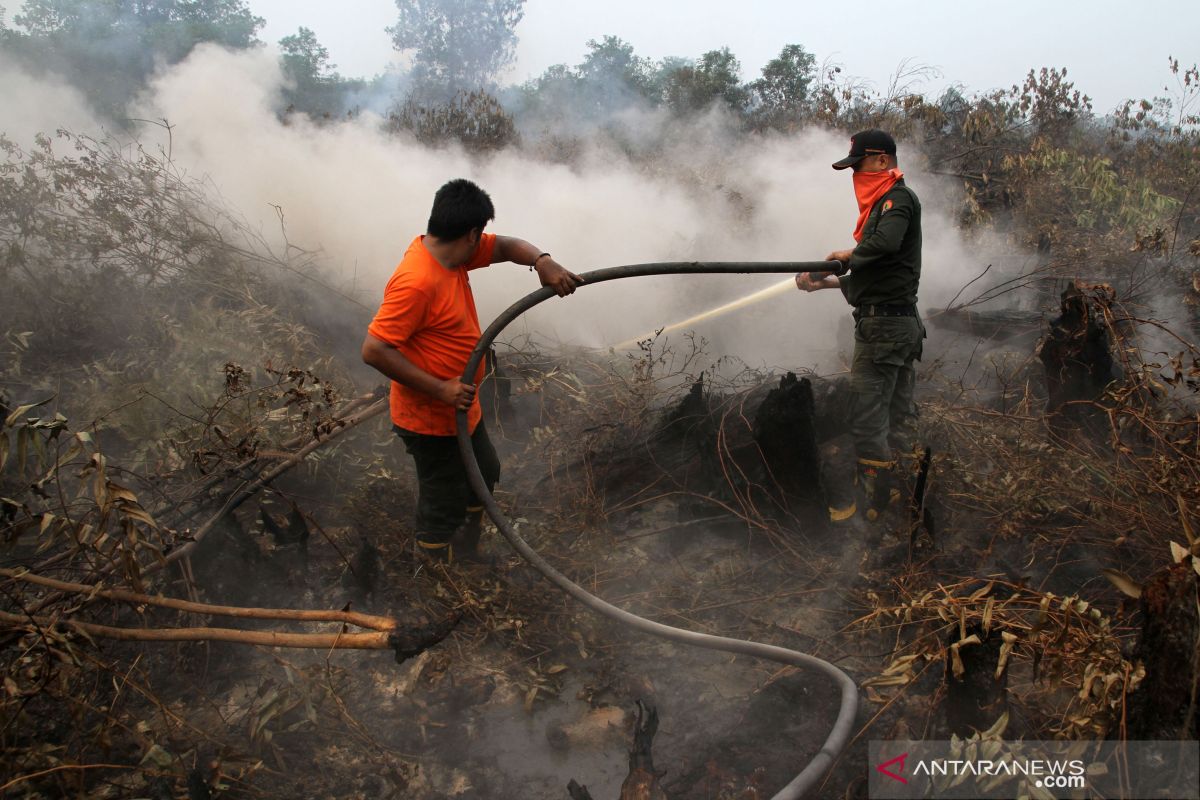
(993, 768)
(897, 764)
(1044, 773)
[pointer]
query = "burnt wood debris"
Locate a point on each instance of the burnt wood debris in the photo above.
(642, 782)
(1077, 356)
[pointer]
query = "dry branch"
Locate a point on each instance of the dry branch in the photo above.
(247, 491)
(385, 624)
(379, 640)
(236, 471)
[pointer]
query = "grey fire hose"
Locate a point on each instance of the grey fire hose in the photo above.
(823, 760)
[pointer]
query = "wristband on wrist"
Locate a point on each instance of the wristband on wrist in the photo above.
(536, 260)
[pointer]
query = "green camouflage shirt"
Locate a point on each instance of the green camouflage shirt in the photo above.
(885, 268)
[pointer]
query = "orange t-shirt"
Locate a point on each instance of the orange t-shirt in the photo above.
(428, 314)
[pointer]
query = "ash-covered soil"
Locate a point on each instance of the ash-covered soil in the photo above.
(656, 503)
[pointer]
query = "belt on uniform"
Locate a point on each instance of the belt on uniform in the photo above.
(885, 311)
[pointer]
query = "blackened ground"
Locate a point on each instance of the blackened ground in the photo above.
(667, 515)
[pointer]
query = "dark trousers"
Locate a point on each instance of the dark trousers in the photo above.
(882, 379)
(444, 493)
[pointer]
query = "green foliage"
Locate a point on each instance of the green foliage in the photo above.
(1088, 189)
(690, 88)
(456, 44)
(314, 87)
(305, 58)
(610, 79)
(108, 48)
(781, 94)
(612, 60)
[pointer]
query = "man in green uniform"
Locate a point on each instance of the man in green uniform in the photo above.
(885, 269)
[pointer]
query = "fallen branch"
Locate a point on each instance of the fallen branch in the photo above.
(405, 643)
(378, 640)
(385, 624)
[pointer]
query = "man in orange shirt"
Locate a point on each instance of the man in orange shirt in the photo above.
(422, 337)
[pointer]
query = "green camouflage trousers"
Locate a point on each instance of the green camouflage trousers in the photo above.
(882, 379)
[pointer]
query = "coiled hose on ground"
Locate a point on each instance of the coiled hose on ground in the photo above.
(840, 734)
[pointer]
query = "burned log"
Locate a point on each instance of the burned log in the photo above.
(976, 687)
(1164, 705)
(1077, 356)
(999, 325)
(920, 515)
(785, 430)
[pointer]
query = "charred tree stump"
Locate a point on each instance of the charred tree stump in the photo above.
(785, 431)
(755, 451)
(976, 696)
(642, 781)
(1164, 705)
(1077, 356)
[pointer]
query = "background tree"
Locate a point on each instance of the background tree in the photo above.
(315, 87)
(610, 79)
(109, 48)
(688, 88)
(781, 94)
(456, 44)
(615, 78)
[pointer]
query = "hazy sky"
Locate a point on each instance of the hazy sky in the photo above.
(1112, 50)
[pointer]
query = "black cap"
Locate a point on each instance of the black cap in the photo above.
(867, 143)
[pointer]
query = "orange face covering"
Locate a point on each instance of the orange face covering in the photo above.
(868, 188)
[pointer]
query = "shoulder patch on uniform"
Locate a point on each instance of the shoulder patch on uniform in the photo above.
(887, 206)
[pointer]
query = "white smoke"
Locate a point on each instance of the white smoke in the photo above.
(34, 105)
(361, 196)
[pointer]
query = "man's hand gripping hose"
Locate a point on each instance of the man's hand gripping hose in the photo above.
(840, 734)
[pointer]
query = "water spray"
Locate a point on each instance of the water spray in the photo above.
(749, 300)
(820, 763)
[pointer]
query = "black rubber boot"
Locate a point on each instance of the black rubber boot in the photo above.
(429, 550)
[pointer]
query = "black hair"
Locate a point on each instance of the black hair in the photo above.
(459, 207)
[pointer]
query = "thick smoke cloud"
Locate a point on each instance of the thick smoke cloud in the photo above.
(360, 197)
(35, 105)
